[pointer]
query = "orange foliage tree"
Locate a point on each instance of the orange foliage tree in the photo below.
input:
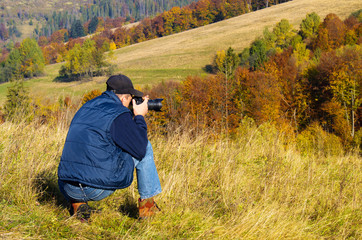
(54, 52)
(331, 33)
(121, 37)
(59, 36)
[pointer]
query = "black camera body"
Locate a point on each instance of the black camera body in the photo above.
(153, 104)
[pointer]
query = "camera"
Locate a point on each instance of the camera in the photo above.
(153, 104)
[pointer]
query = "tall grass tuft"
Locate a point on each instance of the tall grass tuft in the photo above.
(259, 185)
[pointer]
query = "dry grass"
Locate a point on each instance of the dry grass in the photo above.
(257, 186)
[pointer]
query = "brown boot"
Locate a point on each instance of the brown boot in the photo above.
(147, 208)
(81, 210)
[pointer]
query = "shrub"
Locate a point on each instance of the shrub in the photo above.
(314, 140)
(90, 95)
(17, 105)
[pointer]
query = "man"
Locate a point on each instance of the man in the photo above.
(105, 142)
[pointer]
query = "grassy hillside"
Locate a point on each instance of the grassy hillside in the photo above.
(195, 48)
(179, 55)
(257, 186)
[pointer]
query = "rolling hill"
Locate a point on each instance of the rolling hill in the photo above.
(177, 56)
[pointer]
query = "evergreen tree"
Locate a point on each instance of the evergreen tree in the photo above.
(92, 27)
(77, 29)
(4, 33)
(258, 54)
(66, 37)
(17, 105)
(12, 66)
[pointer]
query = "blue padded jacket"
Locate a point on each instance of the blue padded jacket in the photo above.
(90, 156)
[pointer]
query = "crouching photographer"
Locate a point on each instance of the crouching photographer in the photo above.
(105, 142)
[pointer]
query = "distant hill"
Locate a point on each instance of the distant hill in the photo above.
(135, 8)
(32, 18)
(195, 48)
(179, 55)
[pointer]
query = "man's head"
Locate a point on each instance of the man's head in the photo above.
(121, 84)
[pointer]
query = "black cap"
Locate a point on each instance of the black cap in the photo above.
(121, 84)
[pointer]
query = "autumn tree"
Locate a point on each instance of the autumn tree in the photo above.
(138, 34)
(346, 83)
(84, 60)
(54, 52)
(25, 60)
(59, 36)
(169, 18)
(234, 8)
(269, 39)
(158, 25)
(284, 33)
(227, 63)
(148, 29)
(286, 71)
(354, 30)
(42, 41)
(32, 58)
(202, 103)
(265, 97)
(331, 34)
(309, 26)
(122, 37)
(202, 13)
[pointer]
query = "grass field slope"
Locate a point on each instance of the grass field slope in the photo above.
(193, 49)
(179, 55)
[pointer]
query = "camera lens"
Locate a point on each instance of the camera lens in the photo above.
(155, 104)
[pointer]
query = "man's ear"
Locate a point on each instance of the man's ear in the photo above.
(121, 97)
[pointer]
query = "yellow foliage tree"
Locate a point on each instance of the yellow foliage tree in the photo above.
(346, 82)
(112, 46)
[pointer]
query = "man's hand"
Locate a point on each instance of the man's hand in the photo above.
(141, 109)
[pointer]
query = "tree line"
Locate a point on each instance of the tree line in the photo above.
(124, 10)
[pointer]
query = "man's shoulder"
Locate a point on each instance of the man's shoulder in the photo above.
(107, 103)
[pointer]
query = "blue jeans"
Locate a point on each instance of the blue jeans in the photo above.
(148, 182)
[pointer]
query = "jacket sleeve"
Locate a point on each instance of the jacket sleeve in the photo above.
(130, 134)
